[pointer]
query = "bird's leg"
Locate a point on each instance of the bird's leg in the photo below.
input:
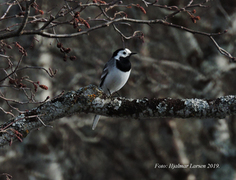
(117, 93)
(109, 92)
(114, 95)
(110, 95)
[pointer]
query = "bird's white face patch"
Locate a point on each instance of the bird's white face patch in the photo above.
(123, 53)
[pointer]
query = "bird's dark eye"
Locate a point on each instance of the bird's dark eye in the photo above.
(124, 53)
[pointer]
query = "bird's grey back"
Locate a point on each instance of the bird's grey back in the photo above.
(110, 63)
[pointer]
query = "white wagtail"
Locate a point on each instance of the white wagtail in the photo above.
(115, 74)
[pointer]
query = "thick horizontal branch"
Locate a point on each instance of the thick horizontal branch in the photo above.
(91, 100)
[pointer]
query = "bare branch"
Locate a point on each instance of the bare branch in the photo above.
(104, 8)
(23, 24)
(6, 112)
(21, 102)
(118, 20)
(135, 34)
(130, 20)
(221, 50)
(17, 66)
(50, 72)
(8, 9)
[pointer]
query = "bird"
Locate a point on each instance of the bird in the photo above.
(115, 74)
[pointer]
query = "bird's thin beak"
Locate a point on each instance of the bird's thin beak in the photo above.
(133, 53)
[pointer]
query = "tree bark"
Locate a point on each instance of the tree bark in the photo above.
(90, 99)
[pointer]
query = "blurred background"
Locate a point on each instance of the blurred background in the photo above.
(170, 63)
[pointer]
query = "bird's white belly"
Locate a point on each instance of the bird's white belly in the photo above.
(115, 80)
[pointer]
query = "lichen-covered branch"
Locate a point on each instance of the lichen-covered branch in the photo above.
(90, 99)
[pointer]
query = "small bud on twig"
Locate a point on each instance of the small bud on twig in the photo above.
(43, 87)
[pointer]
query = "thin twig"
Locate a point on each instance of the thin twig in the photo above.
(25, 102)
(18, 64)
(23, 24)
(7, 112)
(8, 9)
(43, 122)
(221, 50)
(126, 37)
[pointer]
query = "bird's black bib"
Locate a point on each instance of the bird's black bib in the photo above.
(123, 64)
